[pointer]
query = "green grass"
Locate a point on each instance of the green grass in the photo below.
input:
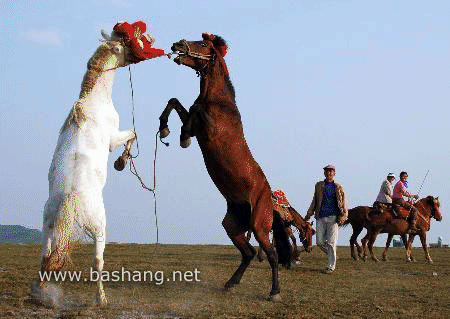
(391, 289)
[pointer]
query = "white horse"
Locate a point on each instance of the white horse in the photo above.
(77, 173)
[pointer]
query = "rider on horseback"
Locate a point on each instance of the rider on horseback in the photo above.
(398, 200)
(385, 194)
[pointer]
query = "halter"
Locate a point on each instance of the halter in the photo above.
(207, 57)
(195, 54)
(432, 214)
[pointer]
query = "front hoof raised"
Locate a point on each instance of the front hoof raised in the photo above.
(120, 164)
(164, 132)
(185, 143)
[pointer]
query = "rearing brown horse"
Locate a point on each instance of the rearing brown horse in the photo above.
(216, 122)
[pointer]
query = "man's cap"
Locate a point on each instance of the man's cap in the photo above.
(330, 166)
(391, 175)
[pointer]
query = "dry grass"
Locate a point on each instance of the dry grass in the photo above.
(392, 289)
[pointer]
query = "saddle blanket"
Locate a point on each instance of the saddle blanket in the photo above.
(281, 205)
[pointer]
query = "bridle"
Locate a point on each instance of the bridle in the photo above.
(207, 57)
(432, 214)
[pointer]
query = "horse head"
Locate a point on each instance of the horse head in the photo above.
(436, 207)
(306, 236)
(198, 55)
(432, 205)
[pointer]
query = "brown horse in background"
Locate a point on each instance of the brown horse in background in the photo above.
(427, 208)
(306, 232)
(216, 122)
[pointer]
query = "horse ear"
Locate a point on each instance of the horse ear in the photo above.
(208, 36)
(105, 35)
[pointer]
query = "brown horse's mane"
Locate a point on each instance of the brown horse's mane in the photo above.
(218, 42)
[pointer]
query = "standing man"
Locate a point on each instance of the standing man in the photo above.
(400, 191)
(385, 194)
(329, 205)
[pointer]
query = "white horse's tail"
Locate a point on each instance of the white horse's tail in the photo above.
(63, 231)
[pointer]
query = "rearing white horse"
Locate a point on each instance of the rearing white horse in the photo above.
(77, 173)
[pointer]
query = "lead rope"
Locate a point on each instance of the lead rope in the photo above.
(133, 169)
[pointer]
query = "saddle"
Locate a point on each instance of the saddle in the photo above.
(281, 205)
(395, 210)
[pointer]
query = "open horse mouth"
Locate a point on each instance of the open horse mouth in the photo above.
(178, 48)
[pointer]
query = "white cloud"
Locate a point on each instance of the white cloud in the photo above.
(44, 36)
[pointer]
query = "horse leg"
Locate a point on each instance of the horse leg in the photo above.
(99, 244)
(409, 256)
(406, 244)
(364, 245)
(259, 254)
(236, 232)
(263, 220)
(296, 254)
(388, 243)
(173, 103)
(117, 139)
(354, 240)
(372, 239)
(423, 240)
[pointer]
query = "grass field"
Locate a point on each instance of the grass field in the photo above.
(391, 289)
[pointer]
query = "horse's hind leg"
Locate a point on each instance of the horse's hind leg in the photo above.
(364, 245)
(99, 244)
(354, 240)
(236, 232)
(164, 118)
(372, 239)
(388, 243)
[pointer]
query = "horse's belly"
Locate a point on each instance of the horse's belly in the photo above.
(77, 166)
(234, 172)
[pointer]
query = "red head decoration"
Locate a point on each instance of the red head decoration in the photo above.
(139, 43)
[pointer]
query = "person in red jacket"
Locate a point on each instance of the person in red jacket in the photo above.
(398, 200)
(139, 42)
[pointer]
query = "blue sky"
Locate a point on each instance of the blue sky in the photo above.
(362, 84)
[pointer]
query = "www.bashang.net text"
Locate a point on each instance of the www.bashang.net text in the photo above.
(158, 277)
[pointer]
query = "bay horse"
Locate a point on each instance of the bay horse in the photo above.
(304, 228)
(215, 121)
(290, 218)
(78, 170)
(427, 208)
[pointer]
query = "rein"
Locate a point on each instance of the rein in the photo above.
(133, 168)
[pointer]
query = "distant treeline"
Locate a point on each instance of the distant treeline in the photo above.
(16, 234)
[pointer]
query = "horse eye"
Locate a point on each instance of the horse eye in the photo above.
(204, 44)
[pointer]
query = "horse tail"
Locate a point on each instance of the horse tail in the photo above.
(62, 232)
(281, 237)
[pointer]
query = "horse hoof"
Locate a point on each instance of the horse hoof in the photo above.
(164, 132)
(120, 164)
(185, 143)
(275, 298)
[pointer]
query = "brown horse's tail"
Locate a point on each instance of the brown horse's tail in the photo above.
(63, 230)
(281, 237)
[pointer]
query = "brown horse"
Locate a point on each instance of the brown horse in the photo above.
(216, 122)
(360, 217)
(427, 208)
(306, 232)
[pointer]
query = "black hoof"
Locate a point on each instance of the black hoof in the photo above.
(120, 164)
(185, 143)
(164, 132)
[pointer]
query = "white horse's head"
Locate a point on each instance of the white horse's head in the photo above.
(116, 45)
